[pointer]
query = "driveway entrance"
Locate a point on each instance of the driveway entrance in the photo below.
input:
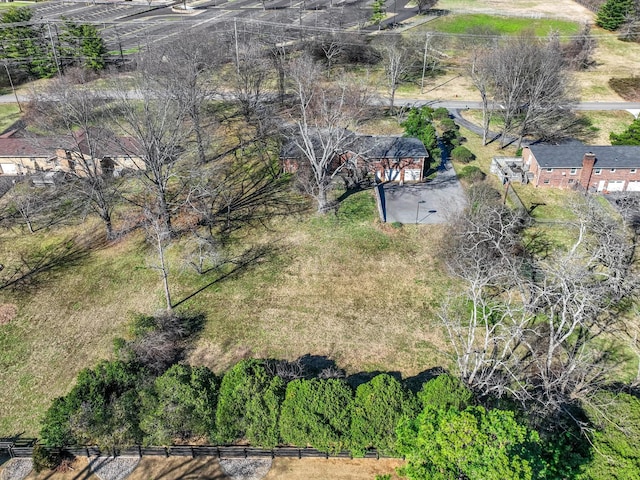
(437, 201)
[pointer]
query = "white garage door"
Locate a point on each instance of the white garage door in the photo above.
(633, 187)
(411, 174)
(615, 185)
(9, 168)
(391, 175)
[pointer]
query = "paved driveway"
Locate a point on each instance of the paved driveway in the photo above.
(433, 202)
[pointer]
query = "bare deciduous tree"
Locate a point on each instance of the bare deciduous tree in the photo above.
(529, 82)
(78, 114)
(158, 126)
(249, 77)
(530, 326)
(186, 70)
(398, 58)
(324, 117)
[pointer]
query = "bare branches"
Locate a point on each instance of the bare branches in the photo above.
(323, 117)
(534, 328)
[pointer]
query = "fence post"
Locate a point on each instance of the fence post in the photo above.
(218, 451)
(86, 449)
(193, 452)
(139, 451)
(245, 452)
(11, 451)
(299, 454)
(327, 455)
(273, 453)
(166, 452)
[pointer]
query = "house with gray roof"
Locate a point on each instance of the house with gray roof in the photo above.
(593, 168)
(388, 158)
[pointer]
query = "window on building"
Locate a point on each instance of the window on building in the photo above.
(571, 180)
(549, 169)
(598, 171)
(546, 181)
(633, 170)
(613, 170)
(574, 171)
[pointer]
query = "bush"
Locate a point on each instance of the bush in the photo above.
(472, 174)
(318, 413)
(249, 405)
(445, 391)
(182, 404)
(101, 409)
(45, 459)
(378, 406)
(462, 154)
(474, 444)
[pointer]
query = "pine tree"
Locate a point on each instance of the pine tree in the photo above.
(614, 13)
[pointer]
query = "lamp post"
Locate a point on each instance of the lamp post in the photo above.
(418, 210)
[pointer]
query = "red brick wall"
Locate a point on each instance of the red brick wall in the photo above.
(560, 177)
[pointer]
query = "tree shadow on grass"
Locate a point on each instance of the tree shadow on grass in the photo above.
(242, 264)
(40, 264)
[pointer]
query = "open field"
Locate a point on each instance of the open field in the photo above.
(345, 287)
(566, 9)
(459, 24)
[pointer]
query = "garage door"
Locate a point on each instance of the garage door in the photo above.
(392, 175)
(615, 185)
(411, 174)
(633, 187)
(9, 168)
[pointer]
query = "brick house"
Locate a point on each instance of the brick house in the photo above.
(20, 155)
(388, 158)
(592, 168)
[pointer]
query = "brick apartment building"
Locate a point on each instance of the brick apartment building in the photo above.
(593, 168)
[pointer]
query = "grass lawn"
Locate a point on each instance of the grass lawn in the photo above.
(9, 113)
(460, 24)
(345, 287)
(15, 4)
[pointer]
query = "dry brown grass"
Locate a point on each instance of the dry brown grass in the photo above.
(338, 295)
(362, 294)
(8, 312)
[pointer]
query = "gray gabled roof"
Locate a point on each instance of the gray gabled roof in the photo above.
(372, 146)
(570, 156)
(368, 146)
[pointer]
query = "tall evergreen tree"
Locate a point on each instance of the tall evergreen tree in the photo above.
(613, 13)
(631, 136)
(26, 45)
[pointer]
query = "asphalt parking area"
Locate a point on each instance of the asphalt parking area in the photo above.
(437, 201)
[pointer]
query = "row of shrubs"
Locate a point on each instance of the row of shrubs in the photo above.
(117, 404)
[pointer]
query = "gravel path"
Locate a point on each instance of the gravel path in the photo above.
(245, 468)
(16, 469)
(110, 468)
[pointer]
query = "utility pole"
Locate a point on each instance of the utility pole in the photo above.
(235, 34)
(424, 60)
(53, 48)
(12, 87)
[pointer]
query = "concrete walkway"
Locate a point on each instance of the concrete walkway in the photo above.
(436, 201)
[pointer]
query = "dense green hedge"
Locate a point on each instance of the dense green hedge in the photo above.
(441, 430)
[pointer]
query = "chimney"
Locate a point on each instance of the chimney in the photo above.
(588, 161)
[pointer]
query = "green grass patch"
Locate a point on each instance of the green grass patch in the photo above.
(460, 24)
(15, 4)
(9, 114)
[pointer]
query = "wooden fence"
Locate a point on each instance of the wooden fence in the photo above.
(20, 450)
